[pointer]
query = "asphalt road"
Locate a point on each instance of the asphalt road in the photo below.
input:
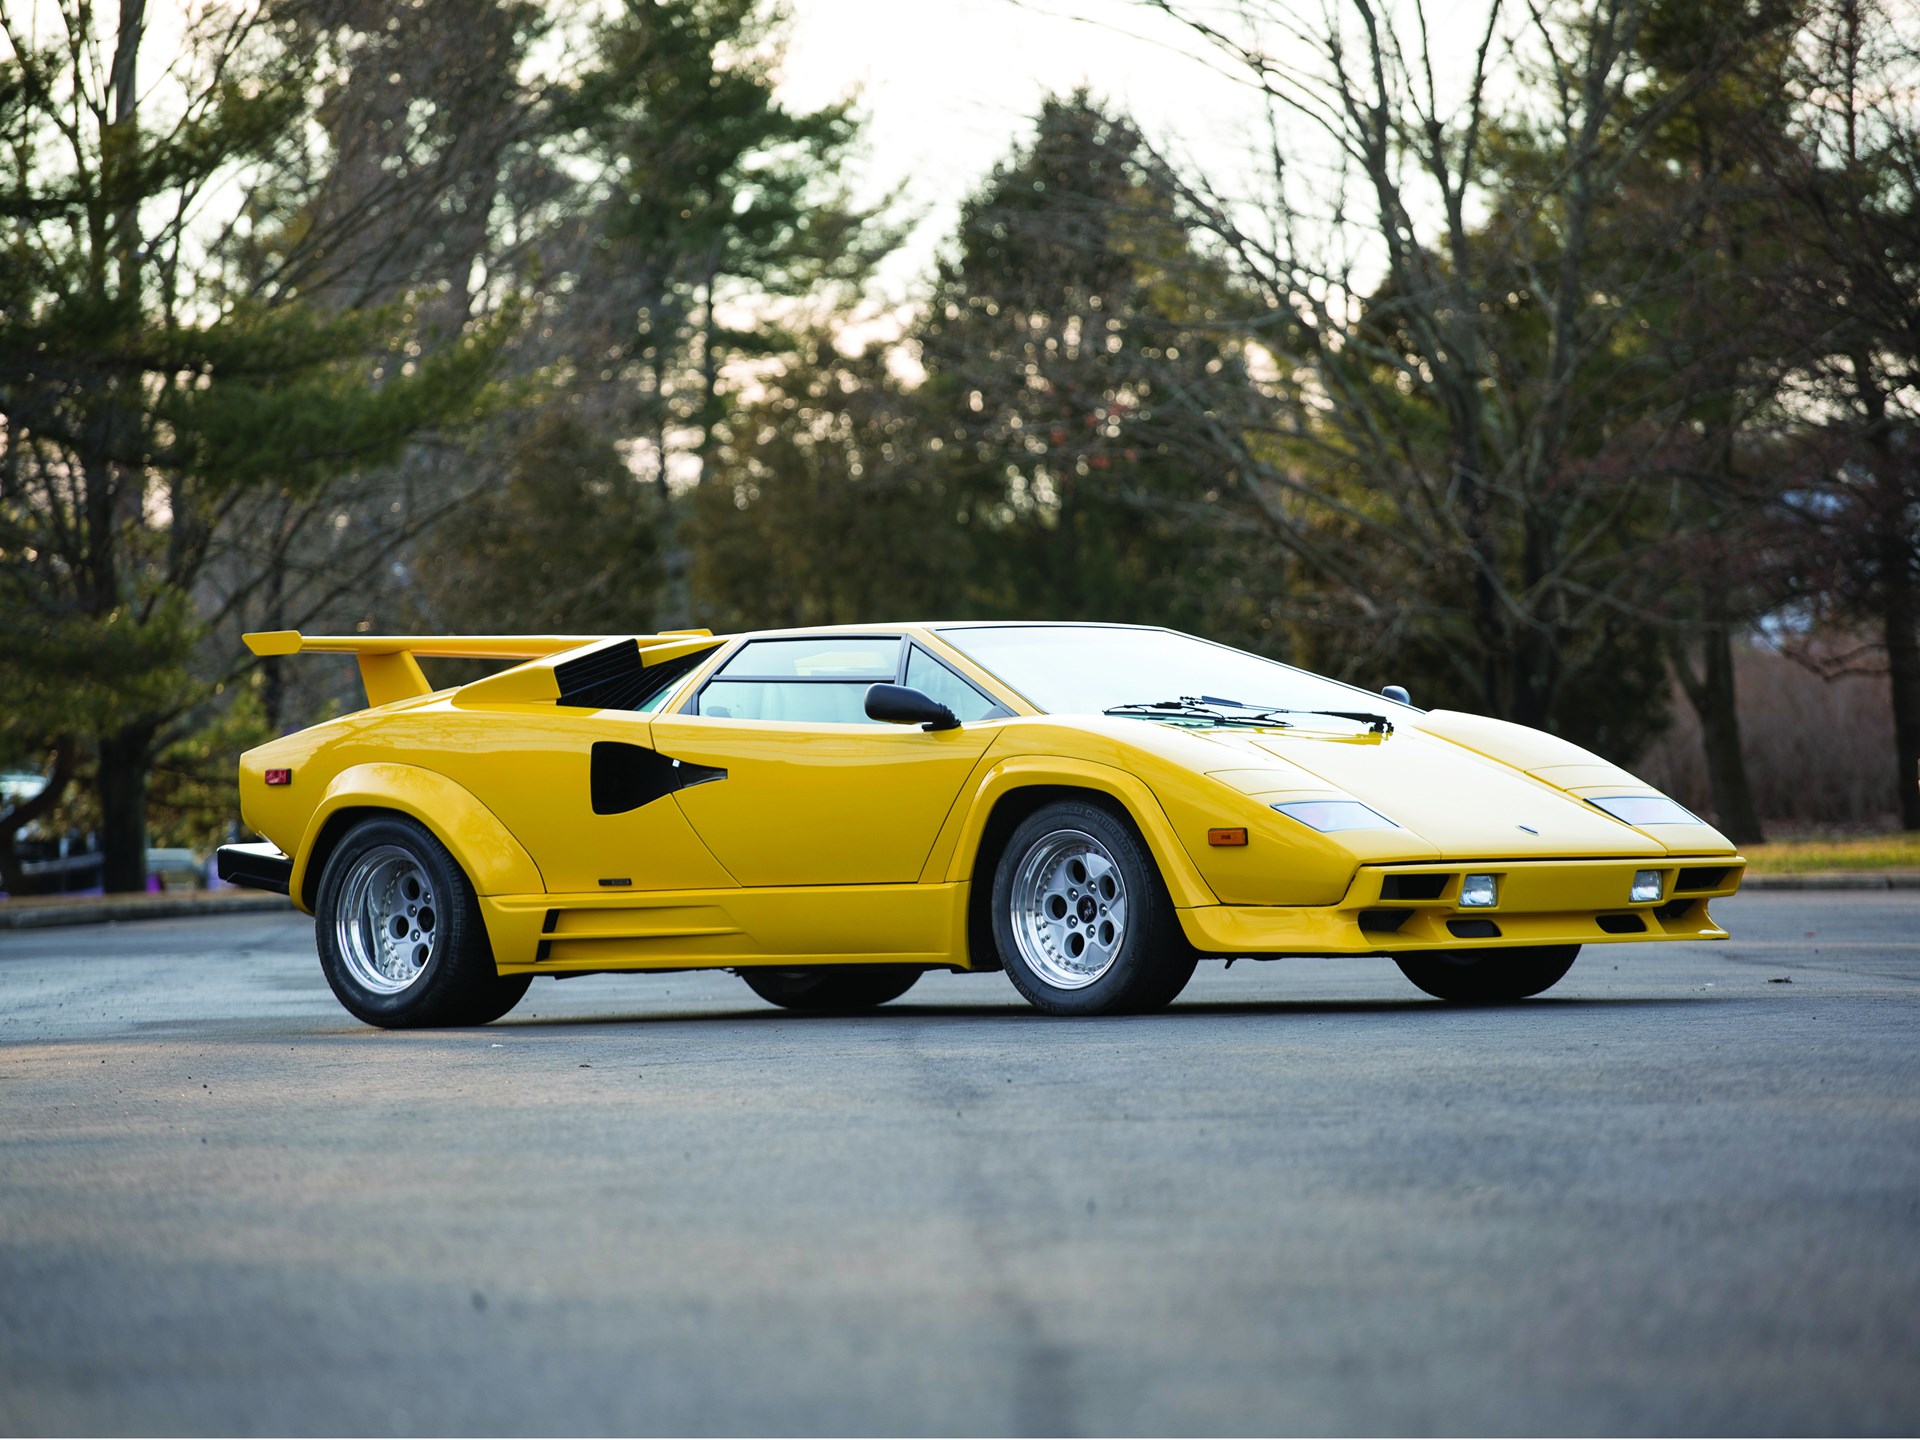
(1670, 1196)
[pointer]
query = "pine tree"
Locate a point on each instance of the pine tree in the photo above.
(148, 393)
(1075, 375)
(717, 193)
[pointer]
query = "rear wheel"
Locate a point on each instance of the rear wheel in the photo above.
(1081, 918)
(399, 932)
(831, 987)
(1488, 977)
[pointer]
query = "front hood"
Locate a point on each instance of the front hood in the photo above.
(1467, 806)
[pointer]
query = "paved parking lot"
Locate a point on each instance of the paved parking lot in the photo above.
(1670, 1196)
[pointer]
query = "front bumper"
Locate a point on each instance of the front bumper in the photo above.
(258, 867)
(1396, 909)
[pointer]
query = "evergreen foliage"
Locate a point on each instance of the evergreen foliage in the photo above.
(144, 395)
(364, 318)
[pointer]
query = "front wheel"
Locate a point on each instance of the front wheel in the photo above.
(1081, 918)
(831, 987)
(399, 931)
(1488, 977)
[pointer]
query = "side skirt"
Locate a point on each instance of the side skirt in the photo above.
(920, 924)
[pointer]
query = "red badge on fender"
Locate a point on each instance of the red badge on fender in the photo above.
(279, 777)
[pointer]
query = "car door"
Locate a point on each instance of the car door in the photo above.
(814, 793)
(582, 784)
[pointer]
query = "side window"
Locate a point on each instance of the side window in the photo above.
(930, 677)
(825, 657)
(786, 700)
(663, 678)
(822, 680)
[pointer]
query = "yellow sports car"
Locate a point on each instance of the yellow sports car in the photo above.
(832, 812)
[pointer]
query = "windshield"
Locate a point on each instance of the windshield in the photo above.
(1089, 669)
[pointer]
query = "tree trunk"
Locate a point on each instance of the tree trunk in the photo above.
(124, 755)
(125, 758)
(273, 692)
(1900, 608)
(1714, 698)
(709, 381)
(1903, 670)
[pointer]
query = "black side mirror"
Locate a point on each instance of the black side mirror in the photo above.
(903, 705)
(1397, 692)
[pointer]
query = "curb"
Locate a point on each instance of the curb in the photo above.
(1835, 880)
(36, 915)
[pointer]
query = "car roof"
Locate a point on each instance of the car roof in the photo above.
(878, 626)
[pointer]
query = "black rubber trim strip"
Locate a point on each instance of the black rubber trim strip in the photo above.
(258, 867)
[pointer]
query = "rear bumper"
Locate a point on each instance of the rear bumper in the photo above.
(1395, 909)
(257, 867)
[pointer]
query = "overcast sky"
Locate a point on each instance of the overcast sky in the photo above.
(948, 86)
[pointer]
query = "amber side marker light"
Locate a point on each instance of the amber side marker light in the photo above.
(279, 777)
(1227, 837)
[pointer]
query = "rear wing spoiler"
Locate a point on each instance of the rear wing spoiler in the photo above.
(388, 667)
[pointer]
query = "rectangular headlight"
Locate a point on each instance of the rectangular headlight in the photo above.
(1329, 815)
(1479, 891)
(1646, 885)
(1645, 810)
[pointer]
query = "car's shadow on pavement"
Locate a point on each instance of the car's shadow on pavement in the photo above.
(1016, 1012)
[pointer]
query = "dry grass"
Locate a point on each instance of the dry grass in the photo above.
(1860, 852)
(1819, 752)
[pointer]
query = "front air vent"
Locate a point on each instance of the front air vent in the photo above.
(1621, 924)
(1413, 887)
(1474, 929)
(1702, 877)
(1383, 921)
(1678, 909)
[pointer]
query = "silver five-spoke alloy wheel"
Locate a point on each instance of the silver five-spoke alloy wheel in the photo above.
(386, 920)
(1069, 903)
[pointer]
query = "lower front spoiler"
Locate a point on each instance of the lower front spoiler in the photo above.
(257, 867)
(1404, 909)
(1277, 930)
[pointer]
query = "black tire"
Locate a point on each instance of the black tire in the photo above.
(1488, 977)
(1145, 963)
(831, 987)
(394, 867)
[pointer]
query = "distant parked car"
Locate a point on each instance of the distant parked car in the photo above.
(174, 868)
(50, 863)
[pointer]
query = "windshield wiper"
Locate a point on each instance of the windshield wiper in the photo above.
(1204, 707)
(1369, 718)
(1188, 708)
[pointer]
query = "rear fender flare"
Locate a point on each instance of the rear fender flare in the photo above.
(1020, 772)
(485, 849)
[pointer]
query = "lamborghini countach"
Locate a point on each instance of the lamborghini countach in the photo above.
(831, 813)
